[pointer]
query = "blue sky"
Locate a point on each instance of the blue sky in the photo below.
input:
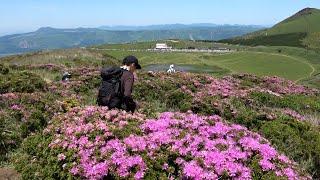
(28, 15)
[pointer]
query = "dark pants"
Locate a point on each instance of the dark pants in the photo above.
(125, 103)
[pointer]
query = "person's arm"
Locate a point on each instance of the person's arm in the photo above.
(128, 84)
(127, 99)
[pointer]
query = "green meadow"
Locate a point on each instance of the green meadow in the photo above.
(297, 64)
(258, 63)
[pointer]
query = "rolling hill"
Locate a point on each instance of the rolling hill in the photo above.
(51, 38)
(300, 30)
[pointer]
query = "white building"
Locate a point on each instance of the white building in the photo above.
(162, 46)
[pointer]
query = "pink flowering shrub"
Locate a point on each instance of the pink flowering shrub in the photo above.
(95, 142)
(294, 114)
(239, 86)
(249, 101)
(92, 142)
(21, 115)
(225, 87)
(283, 86)
(86, 132)
(206, 91)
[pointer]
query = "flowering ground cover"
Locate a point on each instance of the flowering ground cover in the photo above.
(187, 126)
(94, 142)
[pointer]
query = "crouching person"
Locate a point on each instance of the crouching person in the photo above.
(117, 84)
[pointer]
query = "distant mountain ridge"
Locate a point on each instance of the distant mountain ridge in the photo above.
(301, 29)
(173, 26)
(52, 38)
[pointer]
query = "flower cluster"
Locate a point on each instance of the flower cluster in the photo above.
(294, 114)
(231, 86)
(9, 96)
(215, 147)
(20, 105)
(283, 86)
(205, 85)
(225, 87)
(89, 132)
(188, 145)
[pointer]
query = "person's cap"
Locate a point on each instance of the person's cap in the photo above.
(131, 59)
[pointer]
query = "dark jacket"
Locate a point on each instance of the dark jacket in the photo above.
(124, 99)
(127, 80)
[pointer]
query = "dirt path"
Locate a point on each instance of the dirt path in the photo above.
(9, 174)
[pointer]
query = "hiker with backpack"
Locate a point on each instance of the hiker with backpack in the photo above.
(117, 83)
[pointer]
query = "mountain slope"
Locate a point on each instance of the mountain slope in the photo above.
(297, 30)
(50, 38)
(305, 21)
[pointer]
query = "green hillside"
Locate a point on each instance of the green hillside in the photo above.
(300, 30)
(51, 38)
(305, 21)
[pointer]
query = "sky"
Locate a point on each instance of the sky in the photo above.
(18, 16)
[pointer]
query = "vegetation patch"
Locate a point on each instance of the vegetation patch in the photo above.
(174, 145)
(184, 104)
(291, 39)
(21, 82)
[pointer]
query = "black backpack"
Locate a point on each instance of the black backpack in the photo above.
(110, 86)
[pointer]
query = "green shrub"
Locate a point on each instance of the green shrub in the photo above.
(304, 103)
(30, 116)
(44, 162)
(4, 69)
(88, 83)
(300, 141)
(10, 135)
(205, 107)
(153, 96)
(36, 122)
(21, 82)
(178, 100)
